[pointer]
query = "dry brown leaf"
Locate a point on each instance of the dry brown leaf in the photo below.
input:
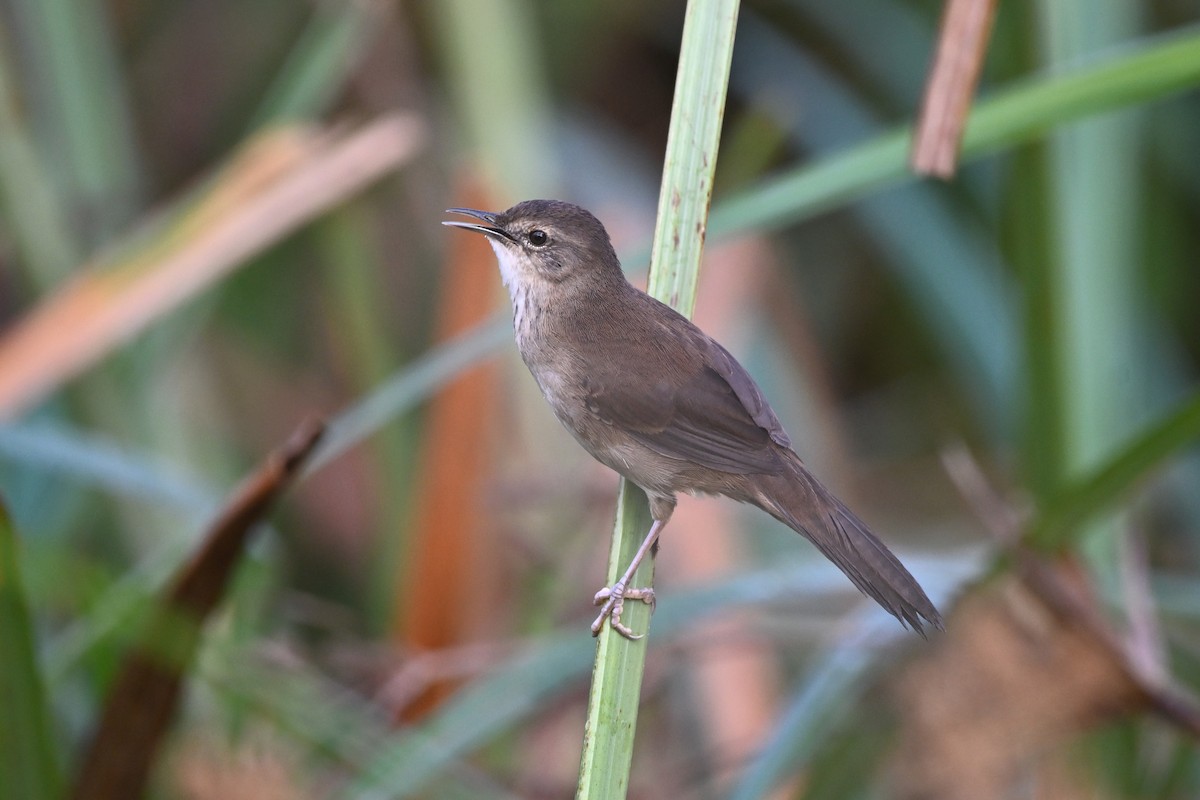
(962, 46)
(1010, 684)
(281, 181)
(147, 688)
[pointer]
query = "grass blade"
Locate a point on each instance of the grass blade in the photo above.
(27, 760)
(44, 241)
(101, 462)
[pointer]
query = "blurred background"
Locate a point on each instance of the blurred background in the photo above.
(220, 219)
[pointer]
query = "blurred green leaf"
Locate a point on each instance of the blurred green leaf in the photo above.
(97, 461)
(85, 125)
(1097, 491)
(323, 58)
(28, 768)
(46, 245)
(492, 53)
(1141, 71)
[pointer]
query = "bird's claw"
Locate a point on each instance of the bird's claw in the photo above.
(611, 600)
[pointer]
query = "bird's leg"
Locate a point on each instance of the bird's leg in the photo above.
(612, 598)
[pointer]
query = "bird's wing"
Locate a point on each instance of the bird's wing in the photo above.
(707, 410)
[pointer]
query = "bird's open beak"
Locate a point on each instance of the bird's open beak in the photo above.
(491, 229)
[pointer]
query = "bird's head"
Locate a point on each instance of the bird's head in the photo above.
(542, 244)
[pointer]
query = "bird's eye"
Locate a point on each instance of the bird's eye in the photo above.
(538, 237)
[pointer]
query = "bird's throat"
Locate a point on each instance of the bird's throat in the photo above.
(507, 260)
(516, 281)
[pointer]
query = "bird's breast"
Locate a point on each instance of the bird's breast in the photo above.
(565, 388)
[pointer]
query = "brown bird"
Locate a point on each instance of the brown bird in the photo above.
(650, 395)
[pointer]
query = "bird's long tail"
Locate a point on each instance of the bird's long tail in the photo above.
(798, 500)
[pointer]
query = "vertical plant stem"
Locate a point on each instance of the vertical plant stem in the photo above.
(617, 673)
(493, 66)
(691, 157)
(78, 91)
(1095, 196)
(44, 243)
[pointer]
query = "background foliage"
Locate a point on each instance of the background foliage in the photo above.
(227, 212)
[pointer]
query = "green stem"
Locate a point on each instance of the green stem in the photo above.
(617, 671)
(691, 157)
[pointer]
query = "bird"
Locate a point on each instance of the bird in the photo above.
(650, 395)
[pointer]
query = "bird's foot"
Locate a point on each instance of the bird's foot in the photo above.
(611, 600)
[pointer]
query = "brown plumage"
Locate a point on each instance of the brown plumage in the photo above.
(650, 395)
